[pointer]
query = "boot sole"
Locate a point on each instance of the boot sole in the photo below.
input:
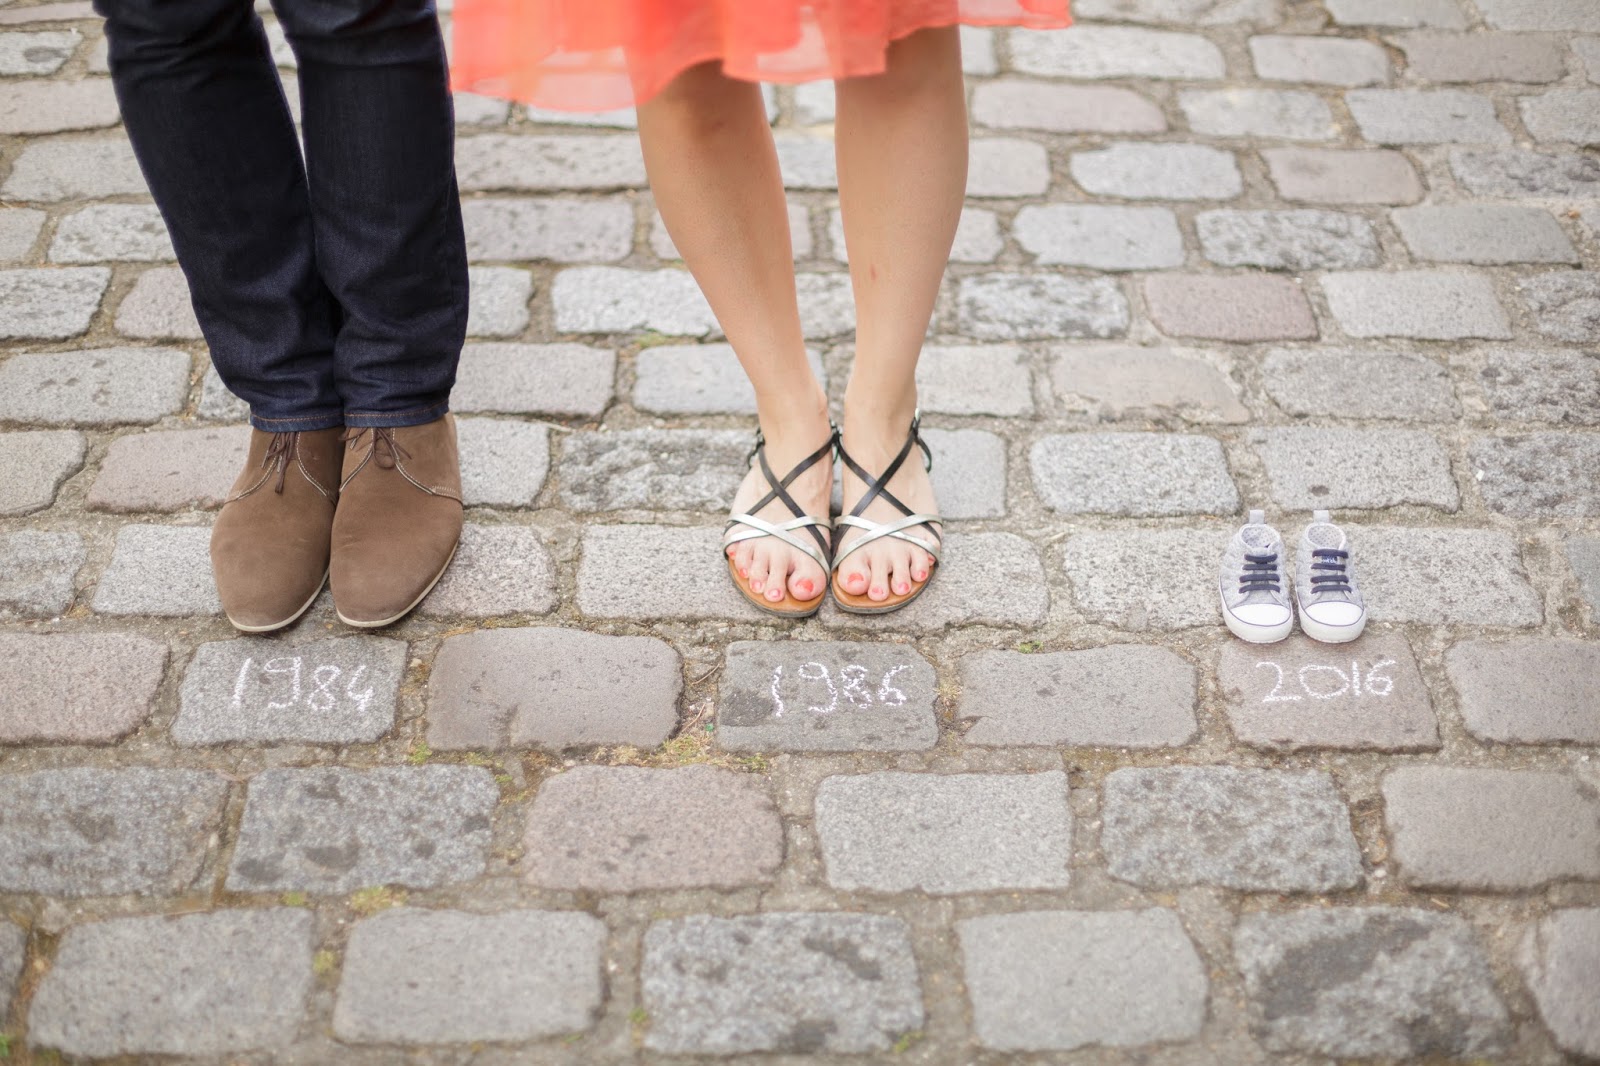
(413, 606)
(293, 618)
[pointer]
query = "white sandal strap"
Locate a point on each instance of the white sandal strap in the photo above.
(895, 529)
(760, 527)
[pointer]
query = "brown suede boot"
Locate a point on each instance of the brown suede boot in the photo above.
(398, 522)
(269, 546)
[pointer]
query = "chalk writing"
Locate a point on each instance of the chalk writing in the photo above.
(851, 687)
(1323, 682)
(285, 676)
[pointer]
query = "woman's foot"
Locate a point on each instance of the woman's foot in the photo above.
(768, 565)
(888, 567)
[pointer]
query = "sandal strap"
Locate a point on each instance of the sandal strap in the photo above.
(878, 487)
(879, 530)
(760, 527)
(780, 491)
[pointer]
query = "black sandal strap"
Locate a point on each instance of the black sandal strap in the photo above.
(878, 486)
(780, 486)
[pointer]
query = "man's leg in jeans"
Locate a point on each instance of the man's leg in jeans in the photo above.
(379, 133)
(210, 126)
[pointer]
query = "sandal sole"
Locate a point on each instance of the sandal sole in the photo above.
(850, 603)
(800, 609)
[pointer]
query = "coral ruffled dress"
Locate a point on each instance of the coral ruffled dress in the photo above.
(599, 55)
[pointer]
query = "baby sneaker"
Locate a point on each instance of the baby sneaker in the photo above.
(1331, 608)
(1254, 586)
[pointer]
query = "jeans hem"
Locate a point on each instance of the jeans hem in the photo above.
(301, 424)
(416, 416)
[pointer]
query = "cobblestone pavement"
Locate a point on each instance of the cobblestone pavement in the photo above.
(589, 807)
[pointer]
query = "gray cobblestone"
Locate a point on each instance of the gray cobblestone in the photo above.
(73, 168)
(158, 307)
(503, 463)
(1540, 15)
(19, 229)
(495, 162)
(1288, 240)
(1340, 176)
(1404, 14)
(1122, 696)
(1396, 385)
(988, 579)
(159, 570)
(1565, 304)
(1245, 307)
(1547, 386)
(1494, 830)
(334, 830)
(1006, 166)
(1058, 980)
(1310, 467)
(1133, 474)
(1321, 60)
(416, 976)
(551, 688)
(826, 696)
(1425, 304)
(40, 568)
(169, 470)
(1438, 116)
(969, 472)
(1400, 972)
(78, 687)
(1183, 12)
(553, 379)
(96, 387)
(194, 984)
(498, 571)
(1563, 115)
(1085, 51)
(618, 576)
(256, 690)
(978, 379)
(1008, 307)
(977, 51)
(33, 466)
(498, 306)
(106, 232)
(632, 829)
(1560, 956)
(1540, 475)
(781, 982)
(1474, 57)
(1442, 576)
(1158, 172)
(1100, 236)
(944, 833)
(656, 469)
(1145, 579)
(557, 230)
(613, 300)
(625, 118)
(698, 379)
(1528, 691)
(1112, 381)
(1023, 104)
(92, 832)
(1301, 695)
(1583, 553)
(1511, 172)
(806, 160)
(1275, 113)
(1484, 233)
(1587, 49)
(217, 402)
(49, 304)
(474, 110)
(57, 105)
(13, 949)
(36, 53)
(1248, 830)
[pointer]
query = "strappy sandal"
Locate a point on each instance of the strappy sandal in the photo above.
(876, 487)
(755, 527)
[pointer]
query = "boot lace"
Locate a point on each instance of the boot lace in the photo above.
(386, 451)
(284, 449)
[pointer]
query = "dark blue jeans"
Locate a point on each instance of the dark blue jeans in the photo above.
(331, 291)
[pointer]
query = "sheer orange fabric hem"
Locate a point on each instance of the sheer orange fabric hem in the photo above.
(602, 55)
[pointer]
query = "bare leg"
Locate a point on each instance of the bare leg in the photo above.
(714, 171)
(901, 139)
